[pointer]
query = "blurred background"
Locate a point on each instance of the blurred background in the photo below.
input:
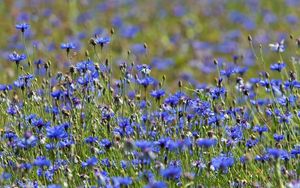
(179, 39)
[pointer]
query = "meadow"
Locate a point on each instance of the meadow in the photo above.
(153, 94)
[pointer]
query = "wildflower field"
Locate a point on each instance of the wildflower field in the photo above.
(153, 94)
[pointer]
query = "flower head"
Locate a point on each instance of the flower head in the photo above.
(15, 57)
(277, 66)
(22, 26)
(278, 47)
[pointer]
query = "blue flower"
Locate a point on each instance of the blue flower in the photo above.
(122, 181)
(67, 46)
(146, 81)
(278, 153)
(90, 162)
(143, 144)
(15, 57)
(156, 184)
(217, 92)
(5, 176)
(57, 132)
(54, 186)
(56, 94)
(102, 40)
(260, 129)
(171, 172)
(144, 69)
(42, 161)
(206, 142)
(4, 87)
(91, 140)
(277, 66)
(296, 151)
(22, 26)
(12, 110)
(222, 162)
(251, 143)
(158, 93)
(278, 137)
(105, 143)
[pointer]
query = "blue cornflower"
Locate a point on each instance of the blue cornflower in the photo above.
(22, 26)
(260, 129)
(91, 140)
(102, 40)
(278, 47)
(4, 87)
(122, 181)
(277, 66)
(12, 110)
(251, 143)
(15, 57)
(296, 151)
(146, 81)
(39, 123)
(156, 184)
(144, 69)
(158, 93)
(278, 153)
(26, 166)
(27, 142)
(54, 186)
(67, 46)
(172, 100)
(41, 161)
(105, 143)
(5, 176)
(217, 92)
(227, 72)
(222, 162)
(57, 93)
(57, 132)
(171, 172)
(206, 142)
(90, 162)
(143, 144)
(278, 137)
